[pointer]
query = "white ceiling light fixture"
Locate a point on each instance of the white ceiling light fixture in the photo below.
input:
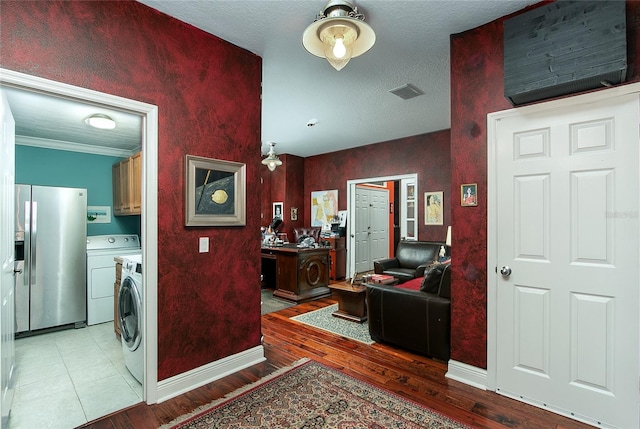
(338, 34)
(101, 121)
(271, 161)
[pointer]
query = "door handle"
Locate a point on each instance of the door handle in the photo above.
(18, 271)
(505, 271)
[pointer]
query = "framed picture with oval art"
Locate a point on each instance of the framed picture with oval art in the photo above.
(215, 192)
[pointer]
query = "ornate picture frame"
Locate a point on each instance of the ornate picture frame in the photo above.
(215, 192)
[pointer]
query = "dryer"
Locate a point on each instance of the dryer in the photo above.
(101, 272)
(130, 315)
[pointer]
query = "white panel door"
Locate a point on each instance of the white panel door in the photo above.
(362, 231)
(379, 221)
(7, 278)
(567, 229)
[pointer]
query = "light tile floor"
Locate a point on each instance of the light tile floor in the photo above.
(67, 378)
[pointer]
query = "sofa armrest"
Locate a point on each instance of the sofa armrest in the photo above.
(381, 265)
(421, 269)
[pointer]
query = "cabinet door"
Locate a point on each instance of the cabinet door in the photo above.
(135, 186)
(118, 202)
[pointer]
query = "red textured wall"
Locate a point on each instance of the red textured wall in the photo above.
(476, 90)
(425, 154)
(208, 97)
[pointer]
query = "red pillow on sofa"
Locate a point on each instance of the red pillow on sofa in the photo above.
(411, 284)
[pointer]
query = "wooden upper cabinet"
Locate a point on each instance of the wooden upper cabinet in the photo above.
(127, 186)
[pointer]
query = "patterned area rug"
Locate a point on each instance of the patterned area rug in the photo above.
(323, 319)
(311, 395)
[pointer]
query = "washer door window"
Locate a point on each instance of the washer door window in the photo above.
(130, 312)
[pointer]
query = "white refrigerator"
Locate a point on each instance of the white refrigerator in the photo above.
(51, 249)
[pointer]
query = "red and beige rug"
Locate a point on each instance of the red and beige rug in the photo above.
(311, 395)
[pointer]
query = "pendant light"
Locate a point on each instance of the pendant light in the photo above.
(272, 160)
(338, 34)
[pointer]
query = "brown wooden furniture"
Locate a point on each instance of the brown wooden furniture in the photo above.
(338, 255)
(116, 289)
(351, 301)
(127, 186)
(299, 274)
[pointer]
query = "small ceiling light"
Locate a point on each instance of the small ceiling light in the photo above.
(272, 160)
(338, 34)
(101, 121)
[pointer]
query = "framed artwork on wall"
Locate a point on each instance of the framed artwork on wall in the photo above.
(294, 213)
(324, 207)
(277, 210)
(433, 213)
(469, 194)
(215, 192)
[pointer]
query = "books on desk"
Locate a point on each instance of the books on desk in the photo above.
(382, 279)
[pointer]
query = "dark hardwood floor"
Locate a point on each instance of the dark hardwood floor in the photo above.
(416, 377)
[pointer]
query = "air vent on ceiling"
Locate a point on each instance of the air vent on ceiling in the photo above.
(406, 91)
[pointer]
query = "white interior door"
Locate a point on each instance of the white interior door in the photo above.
(7, 279)
(379, 224)
(371, 226)
(362, 230)
(566, 234)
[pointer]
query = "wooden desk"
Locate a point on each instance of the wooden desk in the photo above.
(351, 301)
(299, 274)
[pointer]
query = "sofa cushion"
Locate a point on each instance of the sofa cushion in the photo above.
(411, 254)
(432, 278)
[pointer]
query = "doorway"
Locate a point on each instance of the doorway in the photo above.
(148, 231)
(351, 215)
(563, 330)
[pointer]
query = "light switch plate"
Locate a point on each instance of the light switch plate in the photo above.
(204, 244)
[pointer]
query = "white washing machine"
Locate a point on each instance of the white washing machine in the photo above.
(130, 315)
(101, 272)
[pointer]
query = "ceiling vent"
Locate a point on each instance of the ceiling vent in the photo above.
(406, 91)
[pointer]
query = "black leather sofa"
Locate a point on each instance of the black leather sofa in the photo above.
(412, 319)
(410, 261)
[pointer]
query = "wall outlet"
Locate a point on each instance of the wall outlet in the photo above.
(204, 244)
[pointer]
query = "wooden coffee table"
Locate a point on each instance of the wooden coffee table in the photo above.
(351, 301)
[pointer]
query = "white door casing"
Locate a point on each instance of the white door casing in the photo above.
(563, 216)
(7, 257)
(352, 256)
(149, 233)
(379, 221)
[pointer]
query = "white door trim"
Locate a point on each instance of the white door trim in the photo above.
(492, 275)
(351, 201)
(149, 233)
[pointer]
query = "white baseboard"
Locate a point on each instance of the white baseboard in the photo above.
(182, 383)
(467, 374)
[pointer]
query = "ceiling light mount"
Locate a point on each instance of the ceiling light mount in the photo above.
(338, 34)
(100, 121)
(272, 161)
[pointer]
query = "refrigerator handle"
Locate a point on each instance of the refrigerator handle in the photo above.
(27, 241)
(34, 240)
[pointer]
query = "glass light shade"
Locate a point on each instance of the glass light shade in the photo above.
(100, 121)
(272, 163)
(338, 39)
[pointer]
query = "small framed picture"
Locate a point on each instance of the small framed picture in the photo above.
(469, 194)
(277, 210)
(433, 213)
(294, 213)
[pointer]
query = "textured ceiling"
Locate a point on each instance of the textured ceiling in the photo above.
(351, 107)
